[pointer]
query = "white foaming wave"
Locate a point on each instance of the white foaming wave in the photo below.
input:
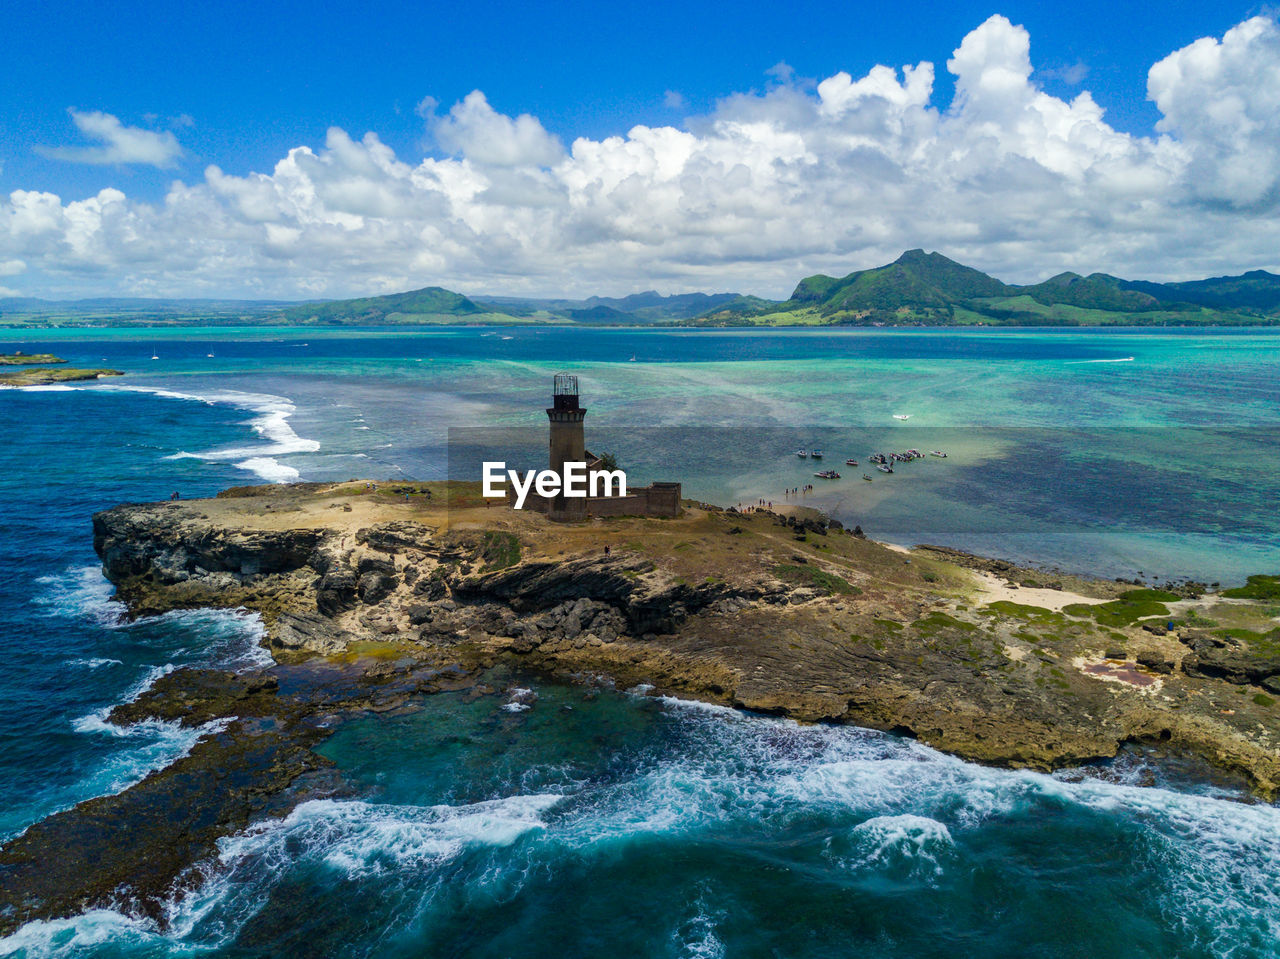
(696, 937)
(1120, 359)
(359, 840)
(46, 388)
(917, 842)
(96, 663)
(1224, 856)
(270, 469)
(80, 592)
(271, 423)
(96, 721)
(87, 931)
(227, 638)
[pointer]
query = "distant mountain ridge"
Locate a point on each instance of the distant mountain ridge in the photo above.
(917, 288)
(922, 288)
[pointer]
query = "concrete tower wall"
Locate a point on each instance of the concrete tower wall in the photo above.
(568, 444)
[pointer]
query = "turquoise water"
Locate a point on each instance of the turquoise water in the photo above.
(627, 823)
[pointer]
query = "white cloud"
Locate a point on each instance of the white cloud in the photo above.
(1221, 99)
(475, 130)
(12, 267)
(766, 188)
(673, 100)
(118, 143)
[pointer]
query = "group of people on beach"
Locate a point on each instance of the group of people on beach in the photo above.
(799, 490)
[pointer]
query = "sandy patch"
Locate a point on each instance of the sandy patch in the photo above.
(992, 589)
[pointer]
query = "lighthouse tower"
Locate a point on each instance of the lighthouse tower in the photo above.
(567, 443)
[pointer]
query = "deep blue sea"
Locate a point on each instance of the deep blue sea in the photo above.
(633, 824)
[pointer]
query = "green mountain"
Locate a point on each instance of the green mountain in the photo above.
(930, 289)
(1097, 291)
(1256, 290)
(431, 302)
(637, 308)
(916, 279)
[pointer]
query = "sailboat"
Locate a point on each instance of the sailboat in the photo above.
(154, 355)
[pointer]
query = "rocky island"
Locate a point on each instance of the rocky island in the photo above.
(374, 595)
(29, 359)
(39, 376)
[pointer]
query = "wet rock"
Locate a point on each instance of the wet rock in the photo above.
(430, 587)
(336, 591)
(374, 564)
(1216, 657)
(420, 613)
(1156, 661)
(374, 587)
(314, 631)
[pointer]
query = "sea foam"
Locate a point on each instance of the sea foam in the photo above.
(271, 423)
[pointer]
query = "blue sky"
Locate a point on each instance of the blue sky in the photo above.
(239, 85)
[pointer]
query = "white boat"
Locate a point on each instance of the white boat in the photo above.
(154, 355)
(803, 454)
(938, 453)
(902, 416)
(816, 454)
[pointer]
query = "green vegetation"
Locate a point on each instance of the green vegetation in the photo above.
(815, 578)
(41, 375)
(1262, 699)
(1037, 614)
(25, 359)
(936, 622)
(1265, 588)
(408, 307)
(1119, 612)
(1154, 595)
(499, 550)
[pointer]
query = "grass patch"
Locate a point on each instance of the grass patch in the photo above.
(1021, 611)
(1265, 588)
(1119, 612)
(499, 549)
(1262, 699)
(1149, 595)
(889, 624)
(936, 622)
(815, 578)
